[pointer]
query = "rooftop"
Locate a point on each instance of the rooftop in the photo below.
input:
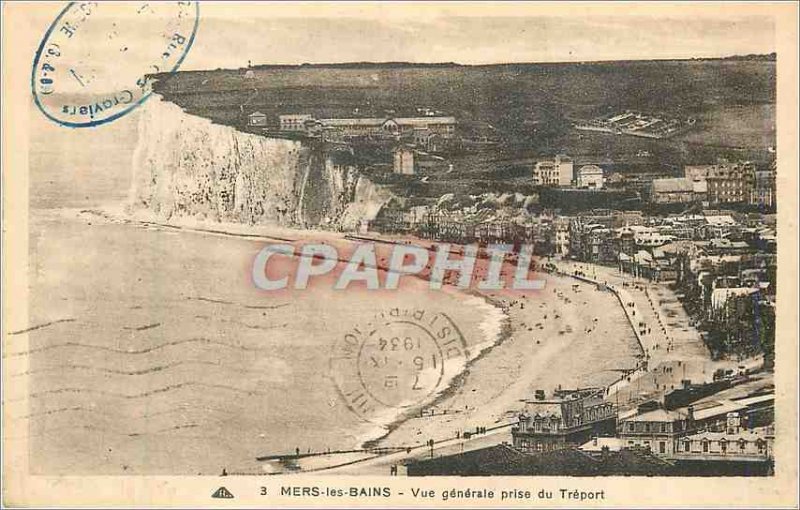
(672, 185)
(590, 169)
(720, 296)
(724, 407)
(758, 399)
(379, 121)
(659, 415)
(746, 434)
(543, 409)
(718, 221)
(504, 460)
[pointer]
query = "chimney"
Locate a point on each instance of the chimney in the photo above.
(690, 413)
(595, 442)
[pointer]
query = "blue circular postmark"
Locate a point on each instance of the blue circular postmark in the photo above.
(93, 63)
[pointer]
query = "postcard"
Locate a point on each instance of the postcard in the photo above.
(397, 255)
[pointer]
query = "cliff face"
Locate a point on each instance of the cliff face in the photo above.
(185, 165)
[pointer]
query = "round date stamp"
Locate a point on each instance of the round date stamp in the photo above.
(93, 63)
(397, 361)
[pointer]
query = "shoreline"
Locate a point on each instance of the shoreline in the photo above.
(452, 385)
(495, 329)
(500, 336)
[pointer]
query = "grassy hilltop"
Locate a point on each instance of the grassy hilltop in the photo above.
(529, 108)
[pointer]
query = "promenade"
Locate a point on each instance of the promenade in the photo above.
(672, 349)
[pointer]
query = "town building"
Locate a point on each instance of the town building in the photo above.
(656, 265)
(443, 127)
(764, 187)
(656, 430)
(636, 124)
(724, 246)
(591, 239)
(678, 190)
(257, 119)
(561, 233)
(661, 429)
(545, 173)
(404, 161)
(720, 297)
(590, 176)
(556, 172)
(697, 172)
(426, 139)
(700, 190)
(294, 122)
(570, 418)
(733, 444)
(730, 183)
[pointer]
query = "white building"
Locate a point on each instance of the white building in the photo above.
(294, 122)
(257, 119)
(735, 443)
(562, 240)
(558, 172)
(590, 176)
(672, 191)
(404, 161)
(373, 126)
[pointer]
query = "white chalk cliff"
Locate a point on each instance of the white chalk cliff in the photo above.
(187, 166)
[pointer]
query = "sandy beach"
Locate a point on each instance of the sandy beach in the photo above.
(569, 335)
(673, 347)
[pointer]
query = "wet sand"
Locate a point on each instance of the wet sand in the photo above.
(538, 353)
(674, 347)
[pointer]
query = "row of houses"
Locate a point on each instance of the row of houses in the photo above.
(578, 433)
(644, 246)
(739, 429)
(722, 183)
(671, 432)
(483, 227)
(731, 295)
(597, 236)
(723, 264)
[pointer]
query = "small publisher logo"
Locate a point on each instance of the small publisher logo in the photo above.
(222, 493)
